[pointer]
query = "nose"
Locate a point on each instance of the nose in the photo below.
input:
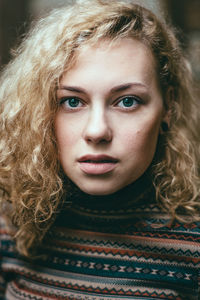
(97, 129)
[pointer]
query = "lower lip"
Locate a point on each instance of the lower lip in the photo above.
(97, 168)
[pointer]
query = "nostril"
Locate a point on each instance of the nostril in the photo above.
(96, 139)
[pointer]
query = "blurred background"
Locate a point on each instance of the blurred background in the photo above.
(15, 18)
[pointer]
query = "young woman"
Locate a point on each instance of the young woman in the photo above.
(99, 160)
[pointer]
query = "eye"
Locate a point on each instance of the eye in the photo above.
(71, 103)
(129, 102)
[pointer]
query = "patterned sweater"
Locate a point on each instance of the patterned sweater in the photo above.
(107, 248)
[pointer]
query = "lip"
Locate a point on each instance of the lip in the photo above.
(97, 164)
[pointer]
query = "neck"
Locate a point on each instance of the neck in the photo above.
(102, 212)
(129, 194)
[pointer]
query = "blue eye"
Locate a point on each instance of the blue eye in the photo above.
(129, 102)
(71, 103)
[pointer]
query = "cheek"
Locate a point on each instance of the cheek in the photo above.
(142, 140)
(66, 132)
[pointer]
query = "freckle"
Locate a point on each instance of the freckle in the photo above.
(138, 132)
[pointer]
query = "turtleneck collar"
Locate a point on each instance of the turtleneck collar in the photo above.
(110, 212)
(130, 196)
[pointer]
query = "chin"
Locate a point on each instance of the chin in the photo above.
(98, 191)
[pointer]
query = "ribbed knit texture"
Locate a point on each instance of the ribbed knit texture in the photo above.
(107, 248)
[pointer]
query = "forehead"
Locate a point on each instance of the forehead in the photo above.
(117, 60)
(129, 47)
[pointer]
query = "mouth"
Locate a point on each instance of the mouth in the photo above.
(97, 164)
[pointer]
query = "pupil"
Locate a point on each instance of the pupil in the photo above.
(73, 102)
(128, 102)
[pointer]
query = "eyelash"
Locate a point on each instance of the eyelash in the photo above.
(132, 106)
(67, 99)
(130, 97)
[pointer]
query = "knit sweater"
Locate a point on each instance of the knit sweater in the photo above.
(107, 248)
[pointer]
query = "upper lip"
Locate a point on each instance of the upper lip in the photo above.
(97, 158)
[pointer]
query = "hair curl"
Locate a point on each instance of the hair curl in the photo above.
(30, 174)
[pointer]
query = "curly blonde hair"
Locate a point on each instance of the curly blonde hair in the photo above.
(30, 173)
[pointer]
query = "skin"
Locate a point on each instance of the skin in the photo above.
(109, 103)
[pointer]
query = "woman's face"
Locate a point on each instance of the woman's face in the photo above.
(110, 111)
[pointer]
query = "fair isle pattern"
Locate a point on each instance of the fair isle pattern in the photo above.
(127, 258)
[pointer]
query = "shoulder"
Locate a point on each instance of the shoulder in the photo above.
(155, 232)
(155, 220)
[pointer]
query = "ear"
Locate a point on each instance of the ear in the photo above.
(168, 106)
(165, 124)
(166, 119)
(167, 112)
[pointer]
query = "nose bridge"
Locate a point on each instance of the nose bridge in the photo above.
(97, 128)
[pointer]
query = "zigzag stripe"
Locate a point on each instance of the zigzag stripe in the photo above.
(42, 278)
(92, 293)
(151, 264)
(155, 234)
(181, 237)
(123, 273)
(17, 290)
(187, 256)
(121, 254)
(139, 245)
(60, 233)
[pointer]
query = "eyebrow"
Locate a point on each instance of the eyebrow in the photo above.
(76, 89)
(123, 87)
(118, 88)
